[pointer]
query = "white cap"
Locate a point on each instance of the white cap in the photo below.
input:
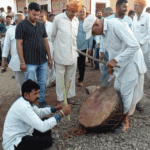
(87, 25)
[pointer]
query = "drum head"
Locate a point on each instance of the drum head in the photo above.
(98, 107)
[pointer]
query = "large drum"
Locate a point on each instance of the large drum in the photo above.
(103, 110)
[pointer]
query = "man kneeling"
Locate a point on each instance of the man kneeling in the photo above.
(23, 128)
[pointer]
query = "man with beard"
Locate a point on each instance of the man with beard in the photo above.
(64, 36)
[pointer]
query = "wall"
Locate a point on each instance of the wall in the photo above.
(11, 3)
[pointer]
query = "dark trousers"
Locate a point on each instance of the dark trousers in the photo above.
(81, 66)
(38, 141)
(96, 55)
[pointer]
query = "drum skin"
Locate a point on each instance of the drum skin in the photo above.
(103, 109)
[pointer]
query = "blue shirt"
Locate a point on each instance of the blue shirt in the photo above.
(82, 42)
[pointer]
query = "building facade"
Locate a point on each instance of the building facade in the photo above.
(56, 6)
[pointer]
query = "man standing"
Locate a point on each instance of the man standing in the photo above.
(122, 47)
(97, 44)
(10, 43)
(148, 10)
(82, 45)
(32, 47)
(64, 36)
(9, 12)
(8, 25)
(131, 14)
(51, 76)
(121, 9)
(51, 17)
(3, 12)
(108, 11)
(25, 12)
(141, 29)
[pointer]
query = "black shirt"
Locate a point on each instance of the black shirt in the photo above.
(34, 51)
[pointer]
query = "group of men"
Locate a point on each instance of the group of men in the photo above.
(41, 49)
(126, 43)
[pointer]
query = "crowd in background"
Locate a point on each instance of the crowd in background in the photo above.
(40, 47)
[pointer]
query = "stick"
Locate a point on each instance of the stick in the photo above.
(98, 60)
(67, 89)
(64, 90)
(105, 81)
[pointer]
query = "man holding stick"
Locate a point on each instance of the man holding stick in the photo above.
(124, 51)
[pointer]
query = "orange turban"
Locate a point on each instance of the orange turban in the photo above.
(140, 2)
(74, 5)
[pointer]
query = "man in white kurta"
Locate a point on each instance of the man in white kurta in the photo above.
(51, 75)
(24, 127)
(10, 44)
(64, 35)
(124, 50)
(141, 29)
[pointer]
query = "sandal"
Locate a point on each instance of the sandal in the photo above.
(3, 70)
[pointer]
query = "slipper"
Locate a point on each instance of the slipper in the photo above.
(3, 70)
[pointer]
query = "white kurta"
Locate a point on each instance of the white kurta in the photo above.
(141, 29)
(122, 46)
(14, 64)
(51, 74)
(20, 121)
(64, 36)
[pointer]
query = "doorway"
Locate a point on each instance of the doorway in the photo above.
(100, 7)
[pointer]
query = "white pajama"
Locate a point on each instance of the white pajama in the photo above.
(50, 72)
(10, 43)
(20, 78)
(147, 62)
(131, 93)
(63, 37)
(101, 67)
(51, 75)
(69, 71)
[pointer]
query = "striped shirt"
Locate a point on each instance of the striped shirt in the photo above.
(34, 51)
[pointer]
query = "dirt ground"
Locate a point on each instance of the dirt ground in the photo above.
(135, 138)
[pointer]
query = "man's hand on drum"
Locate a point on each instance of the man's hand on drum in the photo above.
(111, 64)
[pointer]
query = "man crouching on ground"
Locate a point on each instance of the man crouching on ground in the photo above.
(23, 128)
